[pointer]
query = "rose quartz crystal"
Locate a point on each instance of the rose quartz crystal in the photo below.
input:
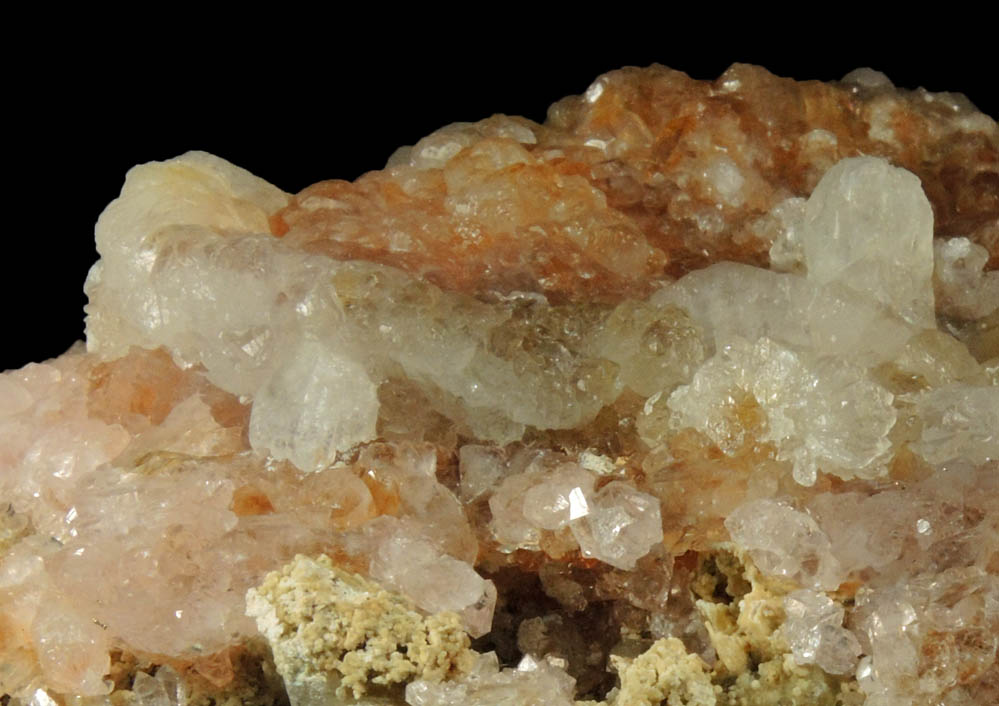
(689, 394)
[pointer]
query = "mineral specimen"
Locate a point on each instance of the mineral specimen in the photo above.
(689, 395)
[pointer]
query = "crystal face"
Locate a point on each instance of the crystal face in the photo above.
(688, 395)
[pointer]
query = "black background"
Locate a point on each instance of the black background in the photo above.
(299, 99)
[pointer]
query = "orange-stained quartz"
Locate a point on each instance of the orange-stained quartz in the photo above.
(140, 389)
(648, 175)
(249, 500)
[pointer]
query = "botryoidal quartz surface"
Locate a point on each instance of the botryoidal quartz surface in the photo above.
(689, 395)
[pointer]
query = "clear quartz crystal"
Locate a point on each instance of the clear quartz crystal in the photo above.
(786, 542)
(564, 495)
(533, 683)
(300, 414)
(163, 689)
(623, 524)
(815, 632)
(415, 567)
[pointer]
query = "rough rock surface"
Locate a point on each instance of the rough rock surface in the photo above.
(689, 395)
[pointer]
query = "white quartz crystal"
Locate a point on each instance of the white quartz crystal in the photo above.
(823, 413)
(869, 228)
(316, 405)
(204, 286)
(730, 300)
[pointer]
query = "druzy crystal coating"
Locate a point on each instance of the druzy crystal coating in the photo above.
(689, 394)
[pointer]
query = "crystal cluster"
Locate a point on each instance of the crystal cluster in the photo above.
(688, 395)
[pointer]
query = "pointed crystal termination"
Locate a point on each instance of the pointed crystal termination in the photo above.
(815, 632)
(620, 526)
(301, 414)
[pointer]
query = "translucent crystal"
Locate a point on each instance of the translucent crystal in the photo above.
(532, 683)
(963, 287)
(865, 531)
(510, 526)
(671, 364)
(656, 348)
(786, 542)
(42, 698)
(815, 632)
(72, 650)
(959, 421)
(824, 414)
(564, 495)
(730, 300)
(416, 568)
(481, 468)
(787, 251)
(622, 525)
(163, 689)
(316, 406)
(404, 479)
(869, 228)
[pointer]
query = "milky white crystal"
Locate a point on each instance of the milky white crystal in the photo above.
(730, 300)
(315, 405)
(960, 421)
(869, 229)
(823, 413)
(218, 289)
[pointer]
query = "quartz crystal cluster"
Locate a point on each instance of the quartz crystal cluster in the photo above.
(688, 395)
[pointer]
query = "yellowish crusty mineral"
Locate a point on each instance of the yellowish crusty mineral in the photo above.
(665, 673)
(336, 631)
